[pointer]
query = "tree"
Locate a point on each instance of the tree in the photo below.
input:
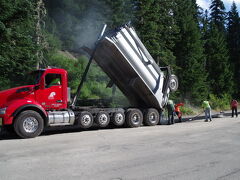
(189, 53)
(17, 35)
(218, 65)
(40, 37)
(220, 74)
(218, 14)
(233, 37)
(155, 23)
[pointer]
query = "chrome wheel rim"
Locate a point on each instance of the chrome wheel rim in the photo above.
(86, 120)
(119, 118)
(103, 119)
(135, 118)
(30, 124)
(173, 84)
(152, 117)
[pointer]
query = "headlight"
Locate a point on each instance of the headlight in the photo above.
(3, 110)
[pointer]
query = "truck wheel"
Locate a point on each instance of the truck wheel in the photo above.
(134, 118)
(28, 124)
(102, 119)
(118, 118)
(173, 83)
(151, 117)
(85, 120)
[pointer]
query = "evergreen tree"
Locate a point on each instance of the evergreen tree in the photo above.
(218, 65)
(146, 24)
(167, 30)
(233, 29)
(156, 26)
(40, 37)
(17, 35)
(189, 53)
(218, 14)
(204, 23)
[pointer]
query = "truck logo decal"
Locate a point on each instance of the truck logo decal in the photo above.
(51, 96)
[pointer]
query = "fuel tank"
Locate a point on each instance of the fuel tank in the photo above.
(124, 58)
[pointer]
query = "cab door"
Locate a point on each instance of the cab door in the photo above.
(50, 95)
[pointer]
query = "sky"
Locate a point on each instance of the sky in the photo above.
(228, 3)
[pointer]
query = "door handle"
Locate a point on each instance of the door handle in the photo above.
(59, 101)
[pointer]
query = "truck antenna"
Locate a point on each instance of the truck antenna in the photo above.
(88, 66)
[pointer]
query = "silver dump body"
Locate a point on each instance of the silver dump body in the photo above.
(124, 58)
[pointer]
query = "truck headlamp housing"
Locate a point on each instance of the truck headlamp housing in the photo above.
(3, 110)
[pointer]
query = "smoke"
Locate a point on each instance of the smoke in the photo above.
(89, 28)
(78, 23)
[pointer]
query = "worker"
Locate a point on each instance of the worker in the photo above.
(207, 109)
(55, 82)
(170, 108)
(234, 105)
(178, 111)
(52, 80)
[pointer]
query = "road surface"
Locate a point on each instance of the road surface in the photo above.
(189, 150)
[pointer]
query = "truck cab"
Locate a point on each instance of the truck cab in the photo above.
(47, 92)
(51, 91)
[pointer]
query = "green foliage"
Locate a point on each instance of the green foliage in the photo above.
(187, 110)
(233, 37)
(218, 65)
(117, 12)
(4, 83)
(217, 62)
(189, 54)
(17, 48)
(157, 28)
(218, 14)
(220, 103)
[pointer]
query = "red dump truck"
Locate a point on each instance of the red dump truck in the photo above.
(122, 56)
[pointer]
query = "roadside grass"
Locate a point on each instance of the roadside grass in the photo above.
(220, 103)
(217, 104)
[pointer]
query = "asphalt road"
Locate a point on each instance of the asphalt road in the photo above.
(190, 150)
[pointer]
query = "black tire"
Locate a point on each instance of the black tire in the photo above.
(28, 124)
(173, 83)
(118, 118)
(151, 117)
(85, 120)
(134, 118)
(102, 119)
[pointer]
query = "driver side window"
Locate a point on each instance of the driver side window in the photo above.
(52, 80)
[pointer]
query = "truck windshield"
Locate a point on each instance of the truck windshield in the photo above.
(34, 77)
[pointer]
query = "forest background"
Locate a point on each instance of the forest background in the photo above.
(202, 47)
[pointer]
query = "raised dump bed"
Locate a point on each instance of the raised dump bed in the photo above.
(123, 57)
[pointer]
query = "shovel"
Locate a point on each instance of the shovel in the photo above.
(194, 117)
